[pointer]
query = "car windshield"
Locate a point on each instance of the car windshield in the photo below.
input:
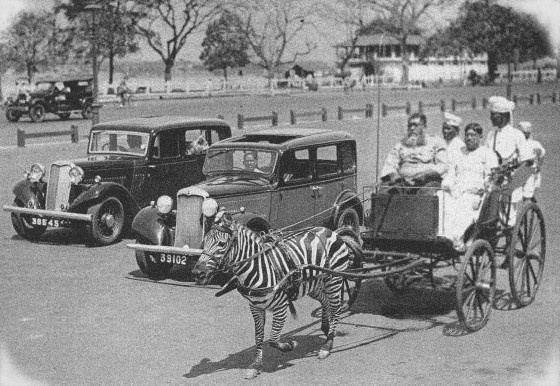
(119, 142)
(240, 161)
(43, 86)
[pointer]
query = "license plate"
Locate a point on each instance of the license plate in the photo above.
(171, 258)
(51, 222)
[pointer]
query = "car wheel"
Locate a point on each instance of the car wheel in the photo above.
(149, 264)
(108, 221)
(87, 112)
(12, 115)
(37, 113)
(23, 226)
(348, 218)
(64, 116)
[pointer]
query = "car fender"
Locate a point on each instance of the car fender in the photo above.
(25, 191)
(149, 225)
(254, 221)
(98, 192)
(345, 199)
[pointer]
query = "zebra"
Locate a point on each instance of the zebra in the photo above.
(263, 268)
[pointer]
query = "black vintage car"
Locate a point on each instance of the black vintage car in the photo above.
(128, 163)
(282, 178)
(60, 97)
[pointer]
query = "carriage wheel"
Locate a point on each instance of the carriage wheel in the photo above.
(476, 286)
(526, 255)
(351, 287)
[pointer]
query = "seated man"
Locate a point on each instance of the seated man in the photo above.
(416, 160)
(464, 186)
(250, 162)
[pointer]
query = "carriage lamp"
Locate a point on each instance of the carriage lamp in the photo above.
(76, 174)
(164, 204)
(35, 173)
(97, 179)
(209, 207)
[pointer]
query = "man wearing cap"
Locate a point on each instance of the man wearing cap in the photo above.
(418, 159)
(464, 185)
(534, 152)
(450, 132)
(505, 140)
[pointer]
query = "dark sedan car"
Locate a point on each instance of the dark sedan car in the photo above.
(276, 178)
(128, 163)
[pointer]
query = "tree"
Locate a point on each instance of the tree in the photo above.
(224, 45)
(115, 33)
(169, 23)
(402, 18)
(504, 34)
(275, 30)
(31, 41)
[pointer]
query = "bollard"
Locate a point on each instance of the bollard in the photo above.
(74, 136)
(442, 105)
(384, 110)
(369, 110)
(324, 114)
(473, 103)
(292, 117)
(20, 138)
(407, 108)
(274, 118)
(240, 121)
(340, 113)
(420, 107)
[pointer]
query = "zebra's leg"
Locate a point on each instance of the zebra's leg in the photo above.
(332, 294)
(280, 313)
(321, 298)
(259, 319)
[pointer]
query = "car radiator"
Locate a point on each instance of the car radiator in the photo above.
(188, 230)
(58, 187)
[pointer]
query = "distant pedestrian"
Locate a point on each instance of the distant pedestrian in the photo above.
(539, 75)
(123, 92)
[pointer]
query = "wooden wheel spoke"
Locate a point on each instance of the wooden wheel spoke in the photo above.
(519, 272)
(480, 304)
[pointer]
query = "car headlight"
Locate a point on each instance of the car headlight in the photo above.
(36, 172)
(209, 207)
(164, 204)
(76, 174)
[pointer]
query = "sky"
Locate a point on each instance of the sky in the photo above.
(547, 11)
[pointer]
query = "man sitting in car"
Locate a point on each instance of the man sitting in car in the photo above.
(416, 160)
(250, 162)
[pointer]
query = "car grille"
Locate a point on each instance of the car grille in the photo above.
(58, 188)
(188, 230)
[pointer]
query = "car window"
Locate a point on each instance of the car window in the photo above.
(240, 161)
(167, 144)
(119, 142)
(196, 142)
(296, 167)
(347, 157)
(327, 164)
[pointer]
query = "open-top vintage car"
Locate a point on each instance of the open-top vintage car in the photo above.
(280, 178)
(57, 96)
(128, 162)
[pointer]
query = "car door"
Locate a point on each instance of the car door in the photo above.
(334, 172)
(293, 202)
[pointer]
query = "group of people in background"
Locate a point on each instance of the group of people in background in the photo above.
(461, 168)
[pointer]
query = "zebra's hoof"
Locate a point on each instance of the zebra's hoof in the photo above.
(251, 373)
(323, 354)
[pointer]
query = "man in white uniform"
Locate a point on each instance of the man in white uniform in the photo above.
(450, 131)
(505, 139)
(534, 152)
(465, 184)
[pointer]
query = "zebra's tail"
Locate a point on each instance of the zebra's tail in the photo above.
(292, 309)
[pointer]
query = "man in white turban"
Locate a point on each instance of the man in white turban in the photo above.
(505, 140)
(450, 131)
(533, 152)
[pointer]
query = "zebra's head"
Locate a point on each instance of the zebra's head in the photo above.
(216, 245)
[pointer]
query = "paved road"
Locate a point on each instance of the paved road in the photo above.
(79, 315)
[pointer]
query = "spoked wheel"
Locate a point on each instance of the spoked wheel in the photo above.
(526, 255)
(476, 286)
(351, 287)
(108, 221)
(37, 113)
(12, 115)
(149, 263)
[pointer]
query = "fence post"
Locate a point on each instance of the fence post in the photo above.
(453, 104)
(538, 98)
(384, 110)
(420, 107)
(292, 117)
(407, 108)
(442, 105)
(369, 110)
(74, 137)
(340, 113)
(324, 114)
(274, 118)
(473, 103)
(554, 97)
(20, 138)
(531, 99)
(484, 102)
(515, 99)
(240, 121)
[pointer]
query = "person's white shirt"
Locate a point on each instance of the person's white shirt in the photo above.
(454, 148)
(533, 150)
(507, 141)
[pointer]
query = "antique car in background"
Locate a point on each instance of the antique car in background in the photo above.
(276, 178)
(128, 162)
(60, 97)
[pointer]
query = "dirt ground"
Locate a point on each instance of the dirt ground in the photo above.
(73, 314)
